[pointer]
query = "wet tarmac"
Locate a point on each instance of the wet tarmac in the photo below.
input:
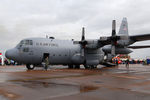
(60, 83)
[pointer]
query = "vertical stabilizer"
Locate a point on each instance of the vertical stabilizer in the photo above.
(124, 27)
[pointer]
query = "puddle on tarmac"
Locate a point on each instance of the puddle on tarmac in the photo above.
(87, 88)
(60, 87)
(41, 84)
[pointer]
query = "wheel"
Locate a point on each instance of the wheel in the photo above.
(77, 66)
(86, 66)
(30, 66)
(93, 66)
(70, 66)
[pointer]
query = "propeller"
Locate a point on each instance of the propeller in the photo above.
(83, 42)
(113, 38)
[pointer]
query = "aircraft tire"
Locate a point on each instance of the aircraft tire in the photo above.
(86, 66)
(30, 66)
(93, 66)
(77, 66)
(70, 66)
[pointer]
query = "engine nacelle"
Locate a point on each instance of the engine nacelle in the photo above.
(92, 62)
(77, 59)
(107, 49)
(92, 44)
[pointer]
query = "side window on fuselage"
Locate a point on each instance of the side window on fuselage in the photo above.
(25, 49)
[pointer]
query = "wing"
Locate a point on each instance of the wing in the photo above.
(142, 37)
(108, 40)
(105, 40)
(139, 47)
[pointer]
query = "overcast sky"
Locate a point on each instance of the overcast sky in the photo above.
(64, 19)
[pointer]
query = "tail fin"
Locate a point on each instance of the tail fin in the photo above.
(124, 27)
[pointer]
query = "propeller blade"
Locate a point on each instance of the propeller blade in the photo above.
(113, 27)
(83, 42)
(113, 50)
(82, 52)
(113, 38)
(83, 34)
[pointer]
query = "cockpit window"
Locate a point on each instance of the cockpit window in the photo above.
(26, 42)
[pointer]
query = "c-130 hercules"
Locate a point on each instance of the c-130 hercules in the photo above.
(90, 53)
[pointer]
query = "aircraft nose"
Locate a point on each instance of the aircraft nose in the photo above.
(10, 54)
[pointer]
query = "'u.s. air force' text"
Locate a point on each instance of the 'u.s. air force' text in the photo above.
(47, 44)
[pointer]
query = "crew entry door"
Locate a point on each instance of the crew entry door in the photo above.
(45, 55)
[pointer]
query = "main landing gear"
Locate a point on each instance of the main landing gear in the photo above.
(74, 66)
(30, 66)
(85, 66)
(90, 66)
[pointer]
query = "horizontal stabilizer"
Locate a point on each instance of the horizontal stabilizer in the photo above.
(139, 47)
(141, 37)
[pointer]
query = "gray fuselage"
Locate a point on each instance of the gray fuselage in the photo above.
(65, 52)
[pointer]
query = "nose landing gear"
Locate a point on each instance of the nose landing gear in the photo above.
(30, 66)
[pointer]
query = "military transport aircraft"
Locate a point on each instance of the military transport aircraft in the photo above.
(90, 53)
